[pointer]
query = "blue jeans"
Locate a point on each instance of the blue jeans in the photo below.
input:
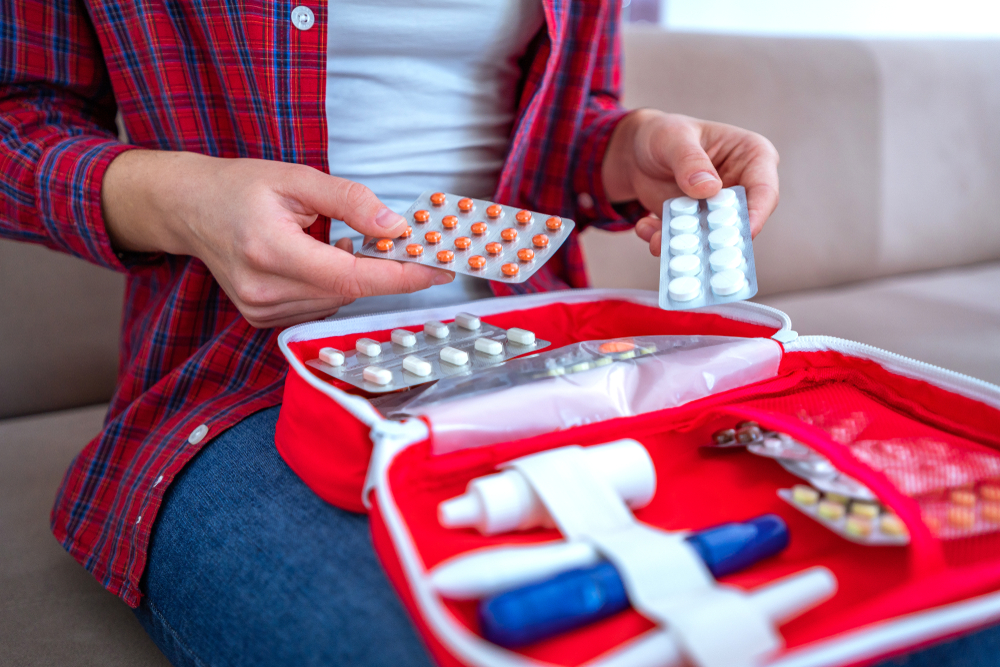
(247, 567)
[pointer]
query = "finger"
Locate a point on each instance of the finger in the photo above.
(680, 151)
(346, 244)
(646, 227)
(760, 179)
(656, 243)
(294, 318)
(344, 200)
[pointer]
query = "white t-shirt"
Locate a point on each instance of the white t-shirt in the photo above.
(422, 96)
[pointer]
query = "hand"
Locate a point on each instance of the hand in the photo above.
(245, 219)
(654, 156)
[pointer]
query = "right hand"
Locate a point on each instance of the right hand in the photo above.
(245, 219)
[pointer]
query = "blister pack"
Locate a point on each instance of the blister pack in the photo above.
(475, 237)
(413, 358)
(706, 256)
(861, 521)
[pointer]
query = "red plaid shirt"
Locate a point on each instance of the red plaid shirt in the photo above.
(231, 80)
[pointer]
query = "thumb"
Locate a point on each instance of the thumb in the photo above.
(683, 155)
(349, 201)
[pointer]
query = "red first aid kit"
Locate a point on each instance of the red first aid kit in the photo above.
(924, 442)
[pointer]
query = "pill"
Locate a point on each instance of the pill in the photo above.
(830, 510)
(331, 356)
(723, 217)
(465, 205)
(438, 198)
(494, 210)
(421, 216)
(989, 492)
(520, 336)
(748, 433)
(368, 347)
(384, 245)
(553, 224)
(858, 526)
(435, 329)
(523, 217)
(725, 197)
(728, 282)
(407, 233)
(377, 375)
(684, 224)
(487, 346)
(805, 495)
(685, 265)
(525, 254)
(467, 321)
(510, 269)
(432, 237)
(449, 222)
(685, 244)
(724, 237)
(683, 206)
(494, 248)
(414, 250)
(463, 242)
(747, 424)
(403, 337)
(867, 510)
(961, 517)
(963, 497)
(540, 240)
(991, 512)
(445, 256)
(416, 366)
(477, 261)
(684, 288)
(890, 524)
(454, 357)
(478, 228)
(724, 436)
(509, 234)
(726, 258)
(837, 498)
(615, 347)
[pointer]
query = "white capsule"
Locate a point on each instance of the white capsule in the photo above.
(725, 197)
(728, 282)
(683, 206)
(684, 289)
(724, 237)
(723, 217)
(685, 265)
(377, 375)
(416, 366)
(454, 357)
(467, 321)
(368, 347)
(685, 244)
(488, 346)
(436, 330)
(331, 356)
(521, 336)
(726, 258)
(684, 224)
(403, 337)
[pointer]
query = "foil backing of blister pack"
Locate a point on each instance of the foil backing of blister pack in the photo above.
(428, 349)
(492, 269)
(706, 295)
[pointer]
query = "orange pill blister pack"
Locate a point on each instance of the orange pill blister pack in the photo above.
(475, 237)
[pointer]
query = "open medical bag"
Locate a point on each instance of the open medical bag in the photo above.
(908, 431)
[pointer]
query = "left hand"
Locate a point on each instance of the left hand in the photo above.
(654, 156)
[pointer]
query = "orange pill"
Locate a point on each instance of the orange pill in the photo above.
(553, 223)
(963, 497)
(437, 198)
(414, 250)
(991, 512)
(509, 234)
(494, 210)
(478, 228)
(525, 254)
(445, 256)
(990, 491)
(494, 248)
(449, 222)
(421, 216)
(433, 237)
(509, 269)
(961, 517)
(384, 245)
(463, 242)
(465, 205)
(477, 261)
(540, 240)
(407, 233)
(523, 217)
(616, 347)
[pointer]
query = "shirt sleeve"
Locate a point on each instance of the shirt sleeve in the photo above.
(57, 131)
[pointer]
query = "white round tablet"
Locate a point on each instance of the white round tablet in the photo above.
(684, 289)
(726, 197)
(724, 237)
(723, 217)
(726, 258)
(683, 206)
(685, 265)
(685, 244)
(728, 282)
(684, 224)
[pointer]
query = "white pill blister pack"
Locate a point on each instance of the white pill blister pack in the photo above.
(411, 358)
(475, 237)
(706, 256)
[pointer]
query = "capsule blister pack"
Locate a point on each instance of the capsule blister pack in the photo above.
(413, 358)
(706, 255)
(475, 237)
(860, 521)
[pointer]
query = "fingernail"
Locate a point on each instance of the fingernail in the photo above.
(387, 219)
(443, 279)
(699, 177)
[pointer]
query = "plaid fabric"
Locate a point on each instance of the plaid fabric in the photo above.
(230, 79)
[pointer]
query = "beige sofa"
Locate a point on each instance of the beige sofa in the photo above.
(887, 233)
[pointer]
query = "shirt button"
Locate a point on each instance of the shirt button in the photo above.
(303, 17)
(198, 434)
(585, 201)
